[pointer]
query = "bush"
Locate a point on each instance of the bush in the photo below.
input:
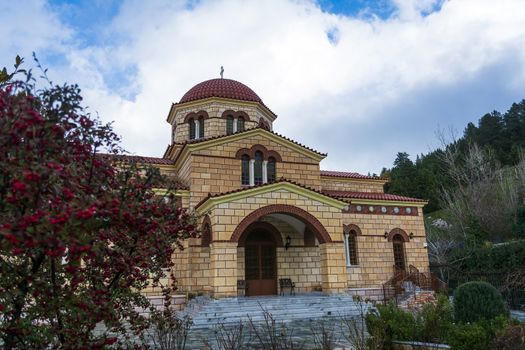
(475, 301)
(513, 338)
(397, 324)
(478, 335)
(435, 321)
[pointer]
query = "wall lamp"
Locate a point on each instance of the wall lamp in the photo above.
(288, 242)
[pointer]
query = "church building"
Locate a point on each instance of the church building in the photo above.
(267, 211)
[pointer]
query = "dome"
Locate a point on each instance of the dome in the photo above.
(225, 88)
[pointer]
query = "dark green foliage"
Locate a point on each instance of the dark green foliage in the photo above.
(434, 321)
(513, 338)
(519, 224)
(474, 301)
(476, 336)
(398, 324)
(431, 324)
(504, 134)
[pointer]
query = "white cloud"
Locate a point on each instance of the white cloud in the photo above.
(282, 50)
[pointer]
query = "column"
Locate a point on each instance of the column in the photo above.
(235, 124)
(223, 268)
(252, 172)
(333, 269)
(197, 128)
(265, 171)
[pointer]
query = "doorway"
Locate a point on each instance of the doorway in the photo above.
(260, 263)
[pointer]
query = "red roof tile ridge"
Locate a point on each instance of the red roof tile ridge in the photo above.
(371, 195)
(349, 174)
(137, 158)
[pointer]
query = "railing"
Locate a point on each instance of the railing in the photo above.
(395, 286)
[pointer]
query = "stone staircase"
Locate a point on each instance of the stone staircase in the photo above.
(207, 313)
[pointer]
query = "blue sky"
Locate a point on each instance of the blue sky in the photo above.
(358, 79)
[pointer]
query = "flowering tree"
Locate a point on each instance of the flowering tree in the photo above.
(79, 239)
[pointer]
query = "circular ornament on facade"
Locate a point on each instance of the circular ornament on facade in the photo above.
(408, 210)
(358, 208)
(396, 210)
(371, 209)
(383, 210)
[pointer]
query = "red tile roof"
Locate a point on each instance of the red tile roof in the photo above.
(370, 196)
(139, 159)
(225, 88)
(349, 175)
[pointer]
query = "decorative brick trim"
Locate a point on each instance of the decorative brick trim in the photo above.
(207, 233)
(258, 147)
(318, 228)
(241, 152)
(276, 155)
(196, 115)
(398, 231)
(378, 209)
(351, 227)
(234, 114)
(259, 225)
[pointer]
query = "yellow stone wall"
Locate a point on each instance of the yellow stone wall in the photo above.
(216, 170)
(375, 253)
(215, 125)
(355, 185)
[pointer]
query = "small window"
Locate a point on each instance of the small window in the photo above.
(206, 235)
(229, 125)
(240, 124)
(201, 127)
(245, 170)
(352, 248)
(191, 123)
(271, 169)
(258, 172)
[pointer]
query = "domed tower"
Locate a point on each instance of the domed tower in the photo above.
(213, 108)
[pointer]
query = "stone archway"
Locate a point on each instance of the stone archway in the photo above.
(317, 228)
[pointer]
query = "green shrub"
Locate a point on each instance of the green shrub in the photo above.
(468, 337)
(397, 324)
(475, 301)
(478, 335)
(434, 321)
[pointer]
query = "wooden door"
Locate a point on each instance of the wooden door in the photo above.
(260, 264)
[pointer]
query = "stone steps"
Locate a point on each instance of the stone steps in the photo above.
(227, 311)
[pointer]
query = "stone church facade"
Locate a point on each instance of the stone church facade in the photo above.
(266, 211)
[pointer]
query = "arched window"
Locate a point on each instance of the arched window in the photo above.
(258, 171)
(229, 125)
(240, 124)
(245, 170)
(191, 123)
(271, 169)
(352, 248)
(206, 235)
(201, 127)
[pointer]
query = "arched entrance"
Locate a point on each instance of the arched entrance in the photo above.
(260, 261)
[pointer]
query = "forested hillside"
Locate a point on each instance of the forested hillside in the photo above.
(476, 181)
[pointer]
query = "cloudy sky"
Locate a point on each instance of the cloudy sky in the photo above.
(358, 79)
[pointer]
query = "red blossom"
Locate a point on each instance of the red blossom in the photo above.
(18, 186)
(87, 213)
